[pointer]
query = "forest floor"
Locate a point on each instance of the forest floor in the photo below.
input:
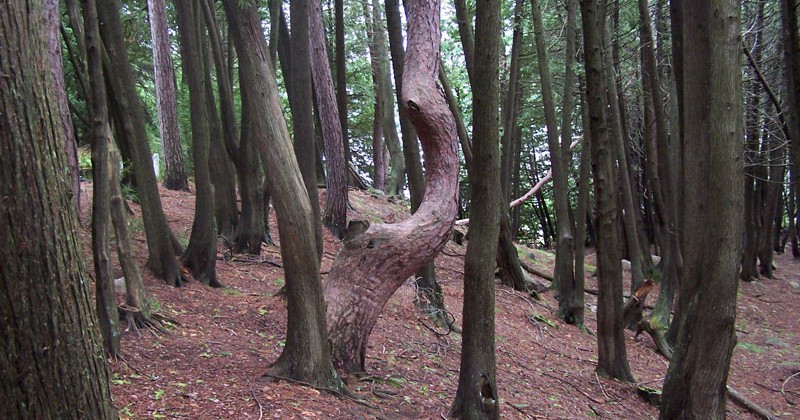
(209, 365)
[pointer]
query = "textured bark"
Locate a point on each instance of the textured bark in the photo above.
(107, 313)
(791, 45)
(302, 106)
(612, 357)
(571, 304)
(56, 67)
(509, 114)
(711, 115)
(341, 76)
(174, 172)
(335, 217)
(129, 121)
(200, 256)
(464, 21)
(306, 356)
(51, 358)
(380, 165)
(373, 264)
(476, 396)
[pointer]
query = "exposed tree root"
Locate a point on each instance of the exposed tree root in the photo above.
(137, 320)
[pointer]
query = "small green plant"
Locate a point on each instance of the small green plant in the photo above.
(159, 394)
(126, 411)
(231, 291)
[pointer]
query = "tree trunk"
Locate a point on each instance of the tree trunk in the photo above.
(564, 270)
(161, 244)
(201, 254)
(51, 358)
(174, 174)
(306, 356)
(302, 106)
(476, 396)
(335, 217)
(373, 264)
(612, 356)
(341, 76)
(56, 67)
(711, 115)
(571, 303)
(791, 45)
(107, 313)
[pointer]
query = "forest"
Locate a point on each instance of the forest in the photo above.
(472, 209)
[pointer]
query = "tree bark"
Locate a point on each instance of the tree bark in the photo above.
(107, 313)
(476, 396)
(174, 173)
(341, 76)
(200, 256)
(51, 357)
(373, 264)
(711, 115)
(162, 246)
(302, 106)
(612, 356)
(335, 217)
(306, 356)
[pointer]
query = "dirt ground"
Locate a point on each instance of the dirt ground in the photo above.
(209, 364)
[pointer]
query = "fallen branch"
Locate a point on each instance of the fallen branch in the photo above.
(547, 177)
(746, 403)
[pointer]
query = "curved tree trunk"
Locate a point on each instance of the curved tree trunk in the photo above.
(373, 264)
(174, 173)
(335, 217)
(201, 254)
(51, 358)
(161, 243)
(306, 356)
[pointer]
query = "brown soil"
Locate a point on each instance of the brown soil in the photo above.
(210, 364)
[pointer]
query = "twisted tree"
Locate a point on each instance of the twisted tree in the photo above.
(373, 264)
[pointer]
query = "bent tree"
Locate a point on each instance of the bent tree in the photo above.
(373, 264)
(51, 358)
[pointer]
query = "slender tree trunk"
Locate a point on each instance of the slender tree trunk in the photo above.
(302, 105)
(162, 246)
(174, 174)
(306, 356)
(373, 264)
(612, 356)
(341, 77)
(564, 270)
(571, 303)
(51, 357)
(476, 396)
(791, 45)
(711, 115)
(335, 217)
(201, 254)
(509, 113)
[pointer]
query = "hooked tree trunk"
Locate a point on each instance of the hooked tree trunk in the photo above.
(711, 116)
(51, 360)
(373, 264)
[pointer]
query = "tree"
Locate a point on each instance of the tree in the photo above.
(476, 396)
(200, 256)
(174, 173)
(374, 262)
(107, 313)
(128, 113)
(306, 356)
(335, 217)
(612, 357)
(711, 110)
(341, 76)
(51, 358)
